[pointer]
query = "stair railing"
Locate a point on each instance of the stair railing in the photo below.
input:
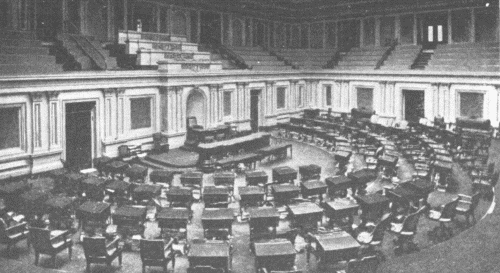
(226, 52)
(89, 49)
(388, 52)
(280, 58)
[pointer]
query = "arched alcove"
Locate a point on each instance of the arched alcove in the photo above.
(196, 106)
(179, 23)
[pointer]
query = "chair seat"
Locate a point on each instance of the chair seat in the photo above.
(396, 227)
(462, 207)
(434, 215)
(62, 244)
(19, 235)
(364, 237)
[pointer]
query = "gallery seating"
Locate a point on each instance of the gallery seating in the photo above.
(361, 58)
(466, 57)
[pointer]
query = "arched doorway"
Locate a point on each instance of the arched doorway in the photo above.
(196, 107)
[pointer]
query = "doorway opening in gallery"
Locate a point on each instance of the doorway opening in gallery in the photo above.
(210, 27)
(434, 29)
(80, 134)
(413, 103)
(254, 110)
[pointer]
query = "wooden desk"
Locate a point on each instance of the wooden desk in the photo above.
(173, 218)
(248, 159)
(95, 212)
(146, 192)
(129, 215)
(216, 196)
(192, 179)
(224, 179)
(180, 196)
(313, 187)
(217, 255)
(339, 209)
(276, 254)
(438, 199)
(311, 171)
(217, 219)
(306, 215)
(334, 247)
(361, 178)
(261, 220)
(161, 176)
(284, 174)
(339, 183)
(284, 192)
(251, 196)
(372, 206)
(94, 187)
(254, 178)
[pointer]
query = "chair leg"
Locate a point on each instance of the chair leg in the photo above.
(37, 256)
(54, 261)
(120, 259)
(88, 267)
(143, 268)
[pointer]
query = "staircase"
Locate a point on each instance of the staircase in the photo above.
(87, 52)
(259, 59)
(364, 58)
(21, 53)
(401, 58)
(422, 59)
(216, 54)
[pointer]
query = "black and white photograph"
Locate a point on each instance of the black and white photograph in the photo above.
(236, 136)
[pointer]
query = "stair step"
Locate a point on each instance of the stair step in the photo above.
(19, 69)
(20, 42)
(36, 50)
(271, 68)
(26, 59)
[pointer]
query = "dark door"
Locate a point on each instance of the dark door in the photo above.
(261, 32)
(210, 27)
(414, 105)
(435, 30)
(254, 110)
(79, 131)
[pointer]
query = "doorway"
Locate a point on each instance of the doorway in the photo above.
(254, 110)
(49, 19)
(434, 30)
(414, 105)
(210, 27)
(79, 135)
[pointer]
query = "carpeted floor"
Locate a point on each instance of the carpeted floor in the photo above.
(243, 260)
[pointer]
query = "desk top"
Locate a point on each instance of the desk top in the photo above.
(342, 154)
(437, 199)
(94, 207)
(233, 141)
(285, 188)
(161, 175)
(305, 208)
(372, 199)
(342, 204)
(192, 175)
(173, 213)
(131, 211)
(276, 247)
(179, 191)
(238, 158)
(314, 184)
(263, 212)
(443, 166)
(59, 202)
(117, 165)
(217, 214)
(273, 148)
(211, 190)
(389, 159)
(34, 196)
(156, 189)
(310, 168)
(255, 174)
(444, 158)
(338, 180)
(94, 181)
(209, 250)
(364, 175)
(283, 170)
(251, 190)
(336, 241)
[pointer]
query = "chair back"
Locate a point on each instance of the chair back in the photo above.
(94, 247)
(411, 222)
(494, 179)
(449, 210)
(204, 269)
(40, 239)
(475, 201)
(3, 230)
(152, 249)
(365, 265)
(192, 121)
(379, 231)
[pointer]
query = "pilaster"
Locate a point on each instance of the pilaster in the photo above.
(37, 100)
(54, 114)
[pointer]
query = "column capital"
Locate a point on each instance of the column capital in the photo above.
(53, 95)
(177, 88)
(215, 87)
(270, 83)
(294, 81)
(242, 84)
(37, 96)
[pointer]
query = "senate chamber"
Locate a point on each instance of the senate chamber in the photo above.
(217, 136)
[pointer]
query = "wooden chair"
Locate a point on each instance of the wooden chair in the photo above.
(406, 231)
(156, 253)
(12, 235)
(98, 252)
(467, 206)
(50, 243)
(446, 215)
(370, 240)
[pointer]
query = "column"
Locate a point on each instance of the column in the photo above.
(121, 112)
(293, 95)
(472, 26)
(230, 38)
(450, 38)
(53, 120)
(212, 91)
(361, 33)
(324, 34)
(273, 29)
(170, 14)
(251, 32)
(198, 26)
(65, 15)
(415, 29)
(269, 100)
(377, 31)
(180, 110)
(36, 109)
(109, 113)
(158, 18)
(164, 115)
(111, 20)
(125, 15)
(309, 36)
(221, 28)
(397, 28)
(336, 34)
